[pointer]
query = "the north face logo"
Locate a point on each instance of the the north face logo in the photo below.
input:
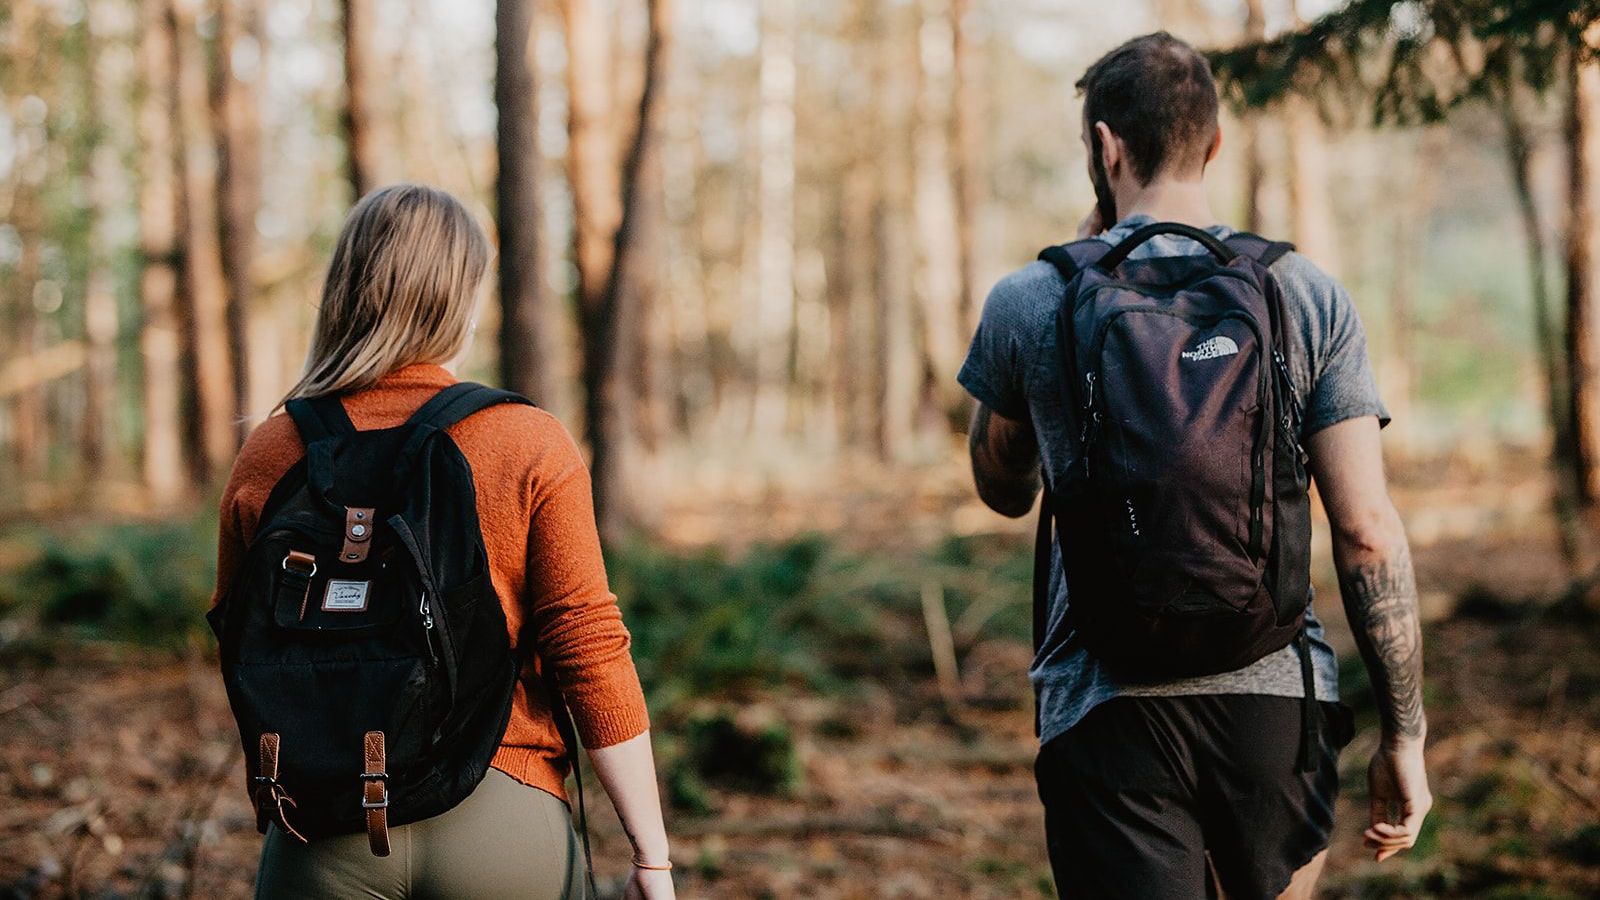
(1211, 348)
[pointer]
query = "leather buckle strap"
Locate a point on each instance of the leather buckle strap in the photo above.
(375, 793)
(268, 791)
(299, 568)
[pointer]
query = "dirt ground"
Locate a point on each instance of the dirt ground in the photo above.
(120, 773)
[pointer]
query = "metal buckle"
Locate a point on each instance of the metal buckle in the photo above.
(310, 574)
(381, 803)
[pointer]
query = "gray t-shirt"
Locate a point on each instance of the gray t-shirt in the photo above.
(1013, 368)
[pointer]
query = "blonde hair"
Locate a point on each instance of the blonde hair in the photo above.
(401, 288)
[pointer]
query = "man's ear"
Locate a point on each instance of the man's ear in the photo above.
(1111, 150)
(1216, 146)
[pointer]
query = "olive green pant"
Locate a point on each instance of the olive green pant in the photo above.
(505, 840)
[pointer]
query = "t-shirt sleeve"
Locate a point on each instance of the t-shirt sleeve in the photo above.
(993, 371)
(1343, 385)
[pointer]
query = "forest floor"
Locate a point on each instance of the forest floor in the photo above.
(121, 776)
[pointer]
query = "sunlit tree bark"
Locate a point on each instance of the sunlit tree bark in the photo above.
(165, 475)
(203, 291)
(361, 151)
(236, 83)
(524, 318)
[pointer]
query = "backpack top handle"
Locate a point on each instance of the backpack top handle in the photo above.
(1120, 252)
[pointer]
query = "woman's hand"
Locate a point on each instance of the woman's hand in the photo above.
(649, 884)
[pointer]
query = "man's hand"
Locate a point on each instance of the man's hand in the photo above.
(1005, 461)
(1091, 224)
(1380, 600)
(1398, 783)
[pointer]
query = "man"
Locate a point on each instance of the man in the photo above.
(1152, 789)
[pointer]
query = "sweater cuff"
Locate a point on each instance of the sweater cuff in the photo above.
(605, 727)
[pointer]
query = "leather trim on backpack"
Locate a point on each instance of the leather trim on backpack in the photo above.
(375, 793)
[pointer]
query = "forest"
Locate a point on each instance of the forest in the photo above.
(741, 248)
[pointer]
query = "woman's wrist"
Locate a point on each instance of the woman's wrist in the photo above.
(652, 854)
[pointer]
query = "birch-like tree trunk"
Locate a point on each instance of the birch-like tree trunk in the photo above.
(775, 294)
(895, 381)
(524, 317)
(100, 300)
(161, 385)
(1250, 131)
(937, 277)
(969, 159)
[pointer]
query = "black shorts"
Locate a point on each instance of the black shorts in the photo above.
(1143, 788)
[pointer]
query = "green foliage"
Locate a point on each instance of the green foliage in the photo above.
(724, 752)
(1413, 60)
(146, 582)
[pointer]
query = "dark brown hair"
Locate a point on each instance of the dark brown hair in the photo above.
(1155, 93)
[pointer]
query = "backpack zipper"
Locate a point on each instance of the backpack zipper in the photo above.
(427, 628)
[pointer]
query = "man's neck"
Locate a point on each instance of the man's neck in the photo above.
(1167, 200)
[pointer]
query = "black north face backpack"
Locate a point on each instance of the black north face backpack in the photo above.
(1184, 520)
(364, 650)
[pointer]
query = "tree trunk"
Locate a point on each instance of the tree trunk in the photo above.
(969, 162)
(203, 292)
(895, 381)
(1583, 94)
(162, 463)
(775, 130)
(100, 299)
(591, 150)
(609, 331)
(362, 165)
(1519, 153)
(938, 261)
(524, 319)
(1250, 122)
(236, 87)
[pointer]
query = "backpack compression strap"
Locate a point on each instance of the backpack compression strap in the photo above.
(1258, 248)
(319, 418)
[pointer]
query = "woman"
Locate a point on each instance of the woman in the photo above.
(397, 314)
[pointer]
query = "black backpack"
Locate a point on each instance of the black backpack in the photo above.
(1184, 519)
(364, 650)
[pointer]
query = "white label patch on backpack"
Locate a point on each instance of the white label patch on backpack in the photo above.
(346, 596)
(1211, 348)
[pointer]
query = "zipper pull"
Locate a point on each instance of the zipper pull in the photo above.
(427, 626)
(1088, 380)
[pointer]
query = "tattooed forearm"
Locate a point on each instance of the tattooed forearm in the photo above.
(1005, 461)
(1380, 598)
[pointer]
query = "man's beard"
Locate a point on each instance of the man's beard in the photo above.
(1104, 199)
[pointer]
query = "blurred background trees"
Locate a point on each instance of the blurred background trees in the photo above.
(748, 237)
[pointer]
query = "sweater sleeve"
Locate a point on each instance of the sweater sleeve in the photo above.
(230, 538)
(577, 626)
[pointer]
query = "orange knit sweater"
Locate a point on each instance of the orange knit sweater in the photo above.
(538, 525)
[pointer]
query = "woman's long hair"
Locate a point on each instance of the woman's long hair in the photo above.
(401, 289)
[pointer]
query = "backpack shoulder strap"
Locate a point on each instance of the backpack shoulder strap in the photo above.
(459, 401)
(1072, 258)
(319, 418)
(1258, 248)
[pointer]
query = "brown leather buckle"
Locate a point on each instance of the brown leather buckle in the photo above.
(375, 793)
(268, 790)
(358, 525)
(302, 566)
(301, 563)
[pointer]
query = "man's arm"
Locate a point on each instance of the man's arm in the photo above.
(1380, 599)
(1005, 461)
